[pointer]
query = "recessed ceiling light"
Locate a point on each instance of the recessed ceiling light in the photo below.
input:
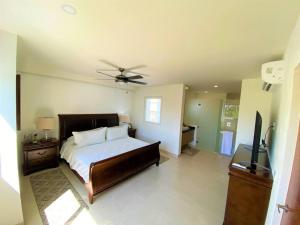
(216, 86)
(67, 8)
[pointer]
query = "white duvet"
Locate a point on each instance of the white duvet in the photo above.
(80, 158)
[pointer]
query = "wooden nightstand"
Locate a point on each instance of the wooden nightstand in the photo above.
(40, 156)
(131, 132)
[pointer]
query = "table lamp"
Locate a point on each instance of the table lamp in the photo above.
(46, 124)
(125, 119)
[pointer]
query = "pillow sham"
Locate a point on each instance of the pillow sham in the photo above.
(117, 132)
(89, 137)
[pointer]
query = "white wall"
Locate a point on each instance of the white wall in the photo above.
(10, 201)
(46, 96)
(169, 130)
(253, 99)
(288, 117)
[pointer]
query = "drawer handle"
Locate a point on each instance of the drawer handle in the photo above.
(41, 153)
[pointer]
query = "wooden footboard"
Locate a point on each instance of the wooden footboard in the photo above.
(106, 173)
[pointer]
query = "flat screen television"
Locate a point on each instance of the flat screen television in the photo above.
(256, 141)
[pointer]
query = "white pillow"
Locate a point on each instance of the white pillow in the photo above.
(113, 133)
(89, 137)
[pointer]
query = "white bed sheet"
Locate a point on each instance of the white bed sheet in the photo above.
(80, 158)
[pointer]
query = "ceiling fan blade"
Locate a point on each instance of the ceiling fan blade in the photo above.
(137, 82)
(135, 77)
(104, 79)
(105, 74)
(142, 74)
(107, 70)
(135, 67)
(109, 63)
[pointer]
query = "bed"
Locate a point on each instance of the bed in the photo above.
(108, 163)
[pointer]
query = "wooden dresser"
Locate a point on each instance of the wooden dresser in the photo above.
(40, 156)
(248, 192)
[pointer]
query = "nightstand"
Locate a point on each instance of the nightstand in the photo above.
(131, 132)
(40, 156)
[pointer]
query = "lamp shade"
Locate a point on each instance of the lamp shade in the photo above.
(46, 123)
(124, 119)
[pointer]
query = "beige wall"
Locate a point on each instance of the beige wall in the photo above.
(10, 201)
(288, 117)
(46, 96)
(169, 129)
(253, 99)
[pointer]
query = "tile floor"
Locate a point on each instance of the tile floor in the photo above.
(189, 190)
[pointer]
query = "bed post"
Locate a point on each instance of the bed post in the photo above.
(157, 163)
(89, 185)
(91, 198)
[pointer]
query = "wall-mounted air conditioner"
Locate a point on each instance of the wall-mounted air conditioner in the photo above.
(272, 73)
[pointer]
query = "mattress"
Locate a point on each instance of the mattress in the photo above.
(80, 158)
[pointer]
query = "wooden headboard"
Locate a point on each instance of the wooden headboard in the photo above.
(81, 122)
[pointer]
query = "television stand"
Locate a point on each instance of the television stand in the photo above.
(249, 147)
(248, 191)
(247, 165)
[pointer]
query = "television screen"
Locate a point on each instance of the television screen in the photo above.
(256, 140)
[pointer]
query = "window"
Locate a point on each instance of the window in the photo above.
(152, 109)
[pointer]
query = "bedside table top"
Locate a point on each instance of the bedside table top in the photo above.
(27, 146)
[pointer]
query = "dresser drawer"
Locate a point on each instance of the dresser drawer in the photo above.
(42, 154)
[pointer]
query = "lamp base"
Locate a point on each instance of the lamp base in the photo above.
(47, 140)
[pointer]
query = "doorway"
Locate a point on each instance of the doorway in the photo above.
(205, 112)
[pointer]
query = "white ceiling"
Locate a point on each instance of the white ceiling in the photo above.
(196, 42)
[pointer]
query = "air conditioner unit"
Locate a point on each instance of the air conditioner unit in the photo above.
(272, 73)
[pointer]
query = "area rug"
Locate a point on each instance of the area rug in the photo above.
(57, 200)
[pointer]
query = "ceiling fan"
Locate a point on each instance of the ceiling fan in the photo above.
(122, 78)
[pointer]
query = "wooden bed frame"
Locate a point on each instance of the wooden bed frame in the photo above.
(105, 173)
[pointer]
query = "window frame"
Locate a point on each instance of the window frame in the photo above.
(145, 109)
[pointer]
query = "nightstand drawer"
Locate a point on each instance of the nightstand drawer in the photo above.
(40, 161)
(42, 153)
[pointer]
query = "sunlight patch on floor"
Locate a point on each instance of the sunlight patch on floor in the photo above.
(62, 209)
(84, 217)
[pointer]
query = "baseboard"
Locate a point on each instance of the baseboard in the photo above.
(164, 152)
